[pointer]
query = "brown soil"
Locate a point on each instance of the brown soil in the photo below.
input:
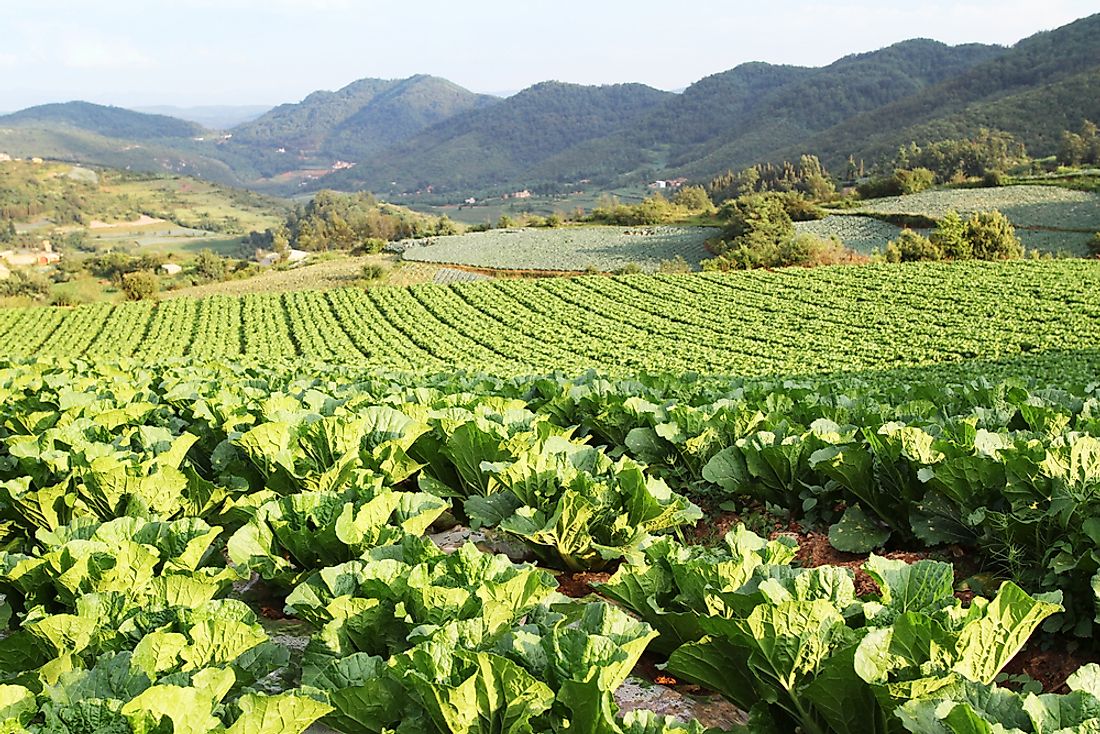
(1049, 661)
(579, 585)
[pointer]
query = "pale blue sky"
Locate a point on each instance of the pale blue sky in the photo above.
(193, 52)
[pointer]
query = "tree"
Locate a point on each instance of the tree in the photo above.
(8, 232)
(992, 237)
(210, 266)
(912, 247)
(140, 285)
(915, 180)
(694, 199)
(1072, 150)
(758, 218)
(1094, 245)
(950, 237)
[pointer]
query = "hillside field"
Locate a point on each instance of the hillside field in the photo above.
(568, 249)
(790, 321)
(1047, 218)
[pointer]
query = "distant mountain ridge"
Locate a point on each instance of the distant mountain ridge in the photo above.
(425, 132)
(500, 143)
(113, 122)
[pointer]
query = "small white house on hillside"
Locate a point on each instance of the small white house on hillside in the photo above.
(171, 269)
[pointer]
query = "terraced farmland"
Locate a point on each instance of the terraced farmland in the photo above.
(791, 321)
(570, 249)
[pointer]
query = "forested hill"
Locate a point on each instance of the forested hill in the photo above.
(740, 116)
(360, 119)
(501, 143)
(1045, 84)
(110, 122)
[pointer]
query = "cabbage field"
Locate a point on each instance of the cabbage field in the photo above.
(790, 322)
(155, 519)
(830, 501)
(575, 249)
(1049, 207)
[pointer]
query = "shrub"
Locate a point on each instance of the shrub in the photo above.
(912, 247)
(878, 188)
(64, 299)
(951, 238)
(801, 209)
(629, 269)
(1094, 245)
(994, 179)
(808, 250)
(676, 265)
(694, 199)
(992, 237)
(210, 266)
(757, 219)
(140, 285)
(25, 283)
(369, 246)
(914, 181)
(372, 271)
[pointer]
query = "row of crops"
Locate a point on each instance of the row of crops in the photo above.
(141, 508)
(791, 321)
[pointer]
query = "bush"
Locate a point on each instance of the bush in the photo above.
(372, 271)
(140, 286)
(994, 179)
(369, 246)
(65, 300)
(629, 269)
(914, 181)
(210, 266)
(757, 220)
(1094, 245)
(25, 283)
(807, 250)
(912, 247)
(694, 199)
(992, 237)
(801, 209)
(878, 188)
(951, 239)
(676, 265)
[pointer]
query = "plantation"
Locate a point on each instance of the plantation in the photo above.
(165, 501)
(575, 249)
(1042, 207)
(862, 234)
(790, 322)
(137, 501)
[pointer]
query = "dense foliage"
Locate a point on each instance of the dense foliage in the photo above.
(808, 178)
(124, 488)
(332, 221)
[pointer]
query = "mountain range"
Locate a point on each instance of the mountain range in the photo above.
(427, 133)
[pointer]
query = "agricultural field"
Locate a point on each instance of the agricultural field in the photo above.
(1047, 218)
(862, 234)
(160, 522)
(569, 249)
(791, 322)
(325, 272)
(1044, 207)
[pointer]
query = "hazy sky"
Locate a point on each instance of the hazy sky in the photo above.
(193, 52)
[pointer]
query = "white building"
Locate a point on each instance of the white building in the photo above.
(171, 269)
